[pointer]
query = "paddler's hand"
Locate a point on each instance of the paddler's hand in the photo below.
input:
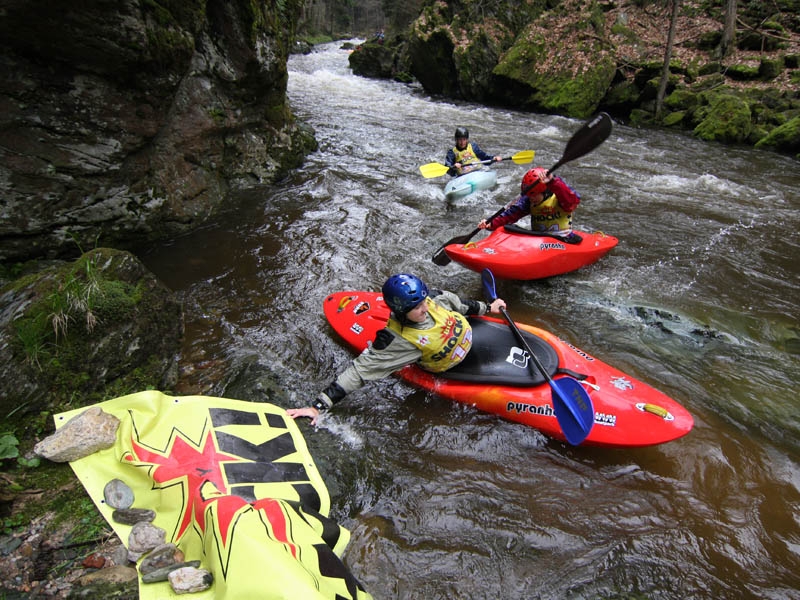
(308, 411)
(484, 224)
(498, 159)
(496, 305)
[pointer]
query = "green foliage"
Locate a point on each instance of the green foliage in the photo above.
(8, 446)
(72, 299)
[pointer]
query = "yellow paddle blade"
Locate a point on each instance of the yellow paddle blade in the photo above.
(523, 157)
(433, 170)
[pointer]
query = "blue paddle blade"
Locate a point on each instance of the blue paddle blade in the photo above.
(573, 408)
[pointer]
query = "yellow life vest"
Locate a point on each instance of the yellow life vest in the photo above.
(443, 345)
(465, 156)
(549, 216)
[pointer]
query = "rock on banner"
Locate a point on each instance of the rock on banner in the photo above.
(234, 486)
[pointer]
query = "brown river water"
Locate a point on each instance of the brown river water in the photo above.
(701, 299)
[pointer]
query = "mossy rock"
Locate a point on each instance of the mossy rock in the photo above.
(742, 72)
(709, 40)
(709, 82)
(372, 60)
(431, 62)
(727, 120)
(785, 138)
(624, 94)
(792, 61)
(673, 119)
(770, 68)
(100, 325)
(560, 90)
(682, 99)
(709, 68)
(752, 40)
(640, 117)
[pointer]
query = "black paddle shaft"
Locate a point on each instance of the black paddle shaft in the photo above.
(587, 138)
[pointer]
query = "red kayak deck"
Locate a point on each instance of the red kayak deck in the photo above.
(628, 412)
(513, 253)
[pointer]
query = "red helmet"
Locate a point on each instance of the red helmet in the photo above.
(531, 182)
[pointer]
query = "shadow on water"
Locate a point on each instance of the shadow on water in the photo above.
(700, 299)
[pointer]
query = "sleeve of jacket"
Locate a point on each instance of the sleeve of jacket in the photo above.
(451, 301)
(387, 354)
(520, 208)
(568, 199)
(449, 161)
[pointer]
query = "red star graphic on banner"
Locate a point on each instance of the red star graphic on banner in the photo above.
(190, 465)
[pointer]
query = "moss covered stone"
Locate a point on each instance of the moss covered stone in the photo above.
(72, 329)
(785, 138)
(727, 120)
(556, 89)
(742, 72)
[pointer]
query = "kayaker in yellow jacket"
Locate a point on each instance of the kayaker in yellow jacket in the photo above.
(548, 200)
(466, 156)
(426, 328)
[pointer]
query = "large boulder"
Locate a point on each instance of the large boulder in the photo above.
(726, 119)
(129, 121)
(541, 75)
(72, 329)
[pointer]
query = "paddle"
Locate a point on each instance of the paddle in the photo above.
(587, 138)
(571, 402)
(438, 169)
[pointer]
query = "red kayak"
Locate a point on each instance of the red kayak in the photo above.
(496, 377)
(512, 252)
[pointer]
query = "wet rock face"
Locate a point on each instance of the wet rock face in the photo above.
(129, 121)
(126, 331)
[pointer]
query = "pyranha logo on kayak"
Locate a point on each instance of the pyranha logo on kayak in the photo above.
(520, 407)
(552, 246)
(518, 357)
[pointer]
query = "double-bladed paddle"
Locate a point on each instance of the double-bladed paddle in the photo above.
(571, 402)
(433, 169)
(587, 138)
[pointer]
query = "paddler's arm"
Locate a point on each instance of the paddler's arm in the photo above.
(451, 301)
(387, 354)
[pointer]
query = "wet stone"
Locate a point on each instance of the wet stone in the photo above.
(162, 574)
(161, 556)
(117, 494)
(132, 516)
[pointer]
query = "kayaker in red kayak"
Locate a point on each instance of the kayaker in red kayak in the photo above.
(548, 200)
(466, 153)
(427, 328)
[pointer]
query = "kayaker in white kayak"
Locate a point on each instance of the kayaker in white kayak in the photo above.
(466, 153)
(426, 328)
(548, 200)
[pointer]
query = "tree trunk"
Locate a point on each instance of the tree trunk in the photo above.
(662, 85)
(728, 39)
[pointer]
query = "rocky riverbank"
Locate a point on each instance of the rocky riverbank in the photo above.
(579, 57)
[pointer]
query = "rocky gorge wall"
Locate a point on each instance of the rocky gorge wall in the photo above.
(129, 121)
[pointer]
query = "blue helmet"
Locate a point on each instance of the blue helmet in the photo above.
(402, 292)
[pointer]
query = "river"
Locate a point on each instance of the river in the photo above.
(700, 299)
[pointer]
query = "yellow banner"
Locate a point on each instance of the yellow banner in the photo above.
(234, 486)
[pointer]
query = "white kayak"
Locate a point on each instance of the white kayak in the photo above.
(463, 185)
